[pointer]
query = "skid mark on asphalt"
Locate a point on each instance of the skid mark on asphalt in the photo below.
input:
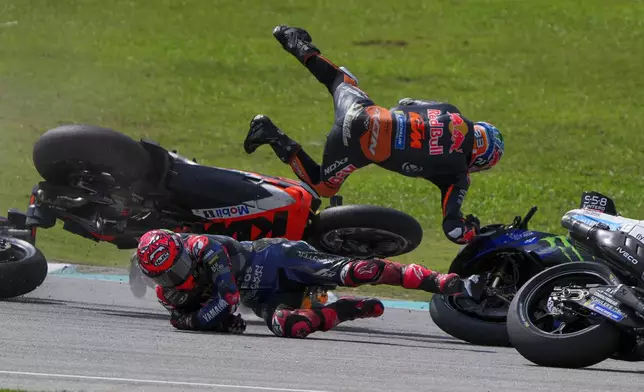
(161, 382)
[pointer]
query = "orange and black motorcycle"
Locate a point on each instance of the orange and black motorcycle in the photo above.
(105, 186)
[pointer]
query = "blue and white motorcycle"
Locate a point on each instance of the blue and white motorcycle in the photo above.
(506, 256)
(578, 314)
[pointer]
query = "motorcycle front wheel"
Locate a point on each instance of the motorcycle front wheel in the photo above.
(22, 267)
(365, 231)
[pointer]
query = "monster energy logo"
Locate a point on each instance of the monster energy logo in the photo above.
(562, 243)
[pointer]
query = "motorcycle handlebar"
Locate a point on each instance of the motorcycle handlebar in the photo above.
(528, 216)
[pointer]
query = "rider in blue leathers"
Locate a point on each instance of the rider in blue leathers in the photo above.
(201, 280)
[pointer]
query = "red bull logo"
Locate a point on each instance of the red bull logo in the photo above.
(458, 128)
(435, 132)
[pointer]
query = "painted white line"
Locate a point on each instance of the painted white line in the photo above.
(135, 380)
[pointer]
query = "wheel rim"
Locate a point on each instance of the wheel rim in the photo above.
(539, 308)
(8, 252)
(362, 241)
(494, 305)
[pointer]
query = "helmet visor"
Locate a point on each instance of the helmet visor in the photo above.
(178, 273)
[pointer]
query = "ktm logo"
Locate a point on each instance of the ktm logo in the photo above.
(376, 142)
(417, 130)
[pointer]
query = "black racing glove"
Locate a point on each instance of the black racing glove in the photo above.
(188, 321)
(233, 324)
(471, 228)
(463, 230)
(473, 222)
(183, 320)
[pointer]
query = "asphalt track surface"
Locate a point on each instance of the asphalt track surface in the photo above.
(78, 334)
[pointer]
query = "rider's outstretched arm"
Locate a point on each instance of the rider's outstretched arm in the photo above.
(225, 297)
(456, 227)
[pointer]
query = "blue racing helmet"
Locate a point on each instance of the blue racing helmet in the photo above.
(488, 146)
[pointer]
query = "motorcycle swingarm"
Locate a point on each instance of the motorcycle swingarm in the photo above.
(617, 303)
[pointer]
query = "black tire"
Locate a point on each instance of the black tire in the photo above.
(578, 349)
(70, 148)
(380, 231)
(22, 267)
(464, 327)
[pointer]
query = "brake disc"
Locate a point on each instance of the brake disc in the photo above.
(4, 245)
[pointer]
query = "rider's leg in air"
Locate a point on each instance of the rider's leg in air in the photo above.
(262, 130)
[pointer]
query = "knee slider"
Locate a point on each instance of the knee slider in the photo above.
(361, 272)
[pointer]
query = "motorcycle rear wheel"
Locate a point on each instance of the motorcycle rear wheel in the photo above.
(70, 149)
(587, 341)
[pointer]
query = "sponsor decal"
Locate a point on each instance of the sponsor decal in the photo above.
(517, 235)
(417, 130)
(458, 128)
(215, 267)
(401, 129)
(158, 259)
(335, 165)
(626, 255)
(600, 295)
(637, 232)
(435, 132)
(325, 273)
(319, 257)
(221, 306)
(590, 221)
(409, 167)
(253, 277)
(376, 141)
(277, 327)
(209, 254)
(339, 177)
(562, 243)
(595, 203)
(481, 143)
(461, 196)
(295, 165)
(251, 229)
(226, 212)
(375, 132)
(605, 311)
(352, 113)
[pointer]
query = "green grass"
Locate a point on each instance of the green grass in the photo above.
(561, 79)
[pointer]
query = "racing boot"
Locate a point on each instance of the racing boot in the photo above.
(299, 323)
(263, 131)
(349, 308)
(415, 276)
(472, 286)
(296, 41)
(414, 102)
